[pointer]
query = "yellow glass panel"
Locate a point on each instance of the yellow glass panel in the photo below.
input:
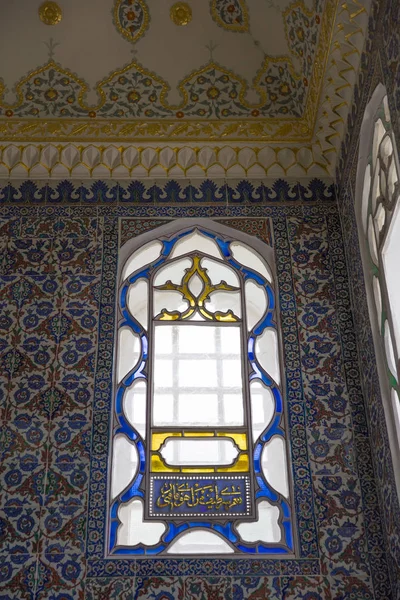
(197, 470)
(198, 433)
(157, 439)
(166, 316)
(157, 465)
(229, 317)
(242, 464)
(239, 438)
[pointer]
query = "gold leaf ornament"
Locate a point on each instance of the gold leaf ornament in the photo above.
(50, 13)
(181, 13)
(197, 301)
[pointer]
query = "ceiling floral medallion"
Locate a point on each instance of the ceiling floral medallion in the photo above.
(230, 14)
(131, 18)
(181, 13)
(50, 13)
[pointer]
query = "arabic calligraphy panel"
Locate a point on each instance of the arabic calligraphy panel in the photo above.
(199, 496)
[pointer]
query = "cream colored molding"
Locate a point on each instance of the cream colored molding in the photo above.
(59, 161)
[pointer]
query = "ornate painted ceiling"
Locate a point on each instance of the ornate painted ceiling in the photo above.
(124, 88)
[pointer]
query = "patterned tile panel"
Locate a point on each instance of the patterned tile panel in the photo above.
(53, 501)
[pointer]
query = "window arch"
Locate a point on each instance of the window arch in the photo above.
(199, 460)
(378, 218)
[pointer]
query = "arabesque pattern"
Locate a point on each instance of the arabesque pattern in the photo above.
(131, 18)
(210, 92)
(230, 14)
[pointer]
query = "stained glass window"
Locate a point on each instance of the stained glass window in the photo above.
(379, 224)
(199, 456)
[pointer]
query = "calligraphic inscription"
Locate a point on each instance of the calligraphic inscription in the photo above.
(199, 496)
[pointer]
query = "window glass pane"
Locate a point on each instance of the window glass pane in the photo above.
(163, 376)
(262, 407)
(396, 411)
(199, 373)
(204, 451)
(365, 198)
(169, 300)
(379, 218)
(231, 373)
(145, 255)
(195, 339)
(202, 541)
(389, 350)
(393, 177)
(386, 109)
(379, 132)
(266, 528)
(256, 303)
(230, 341)
(163, 409)
(250, 258)
(124, 465)
(372, 241)
(164, 339)
(172, 272)
(133, 530)
(273, 463)
(196, 241)
(266, 348)
(200, 367)
(195, 285)
(138, 301)
(224, 301)
(128, 351)
(135, 406)
(375, 187)
(198, 408)
(386, 150)
(378, 300)
(218, 272)
(391, 256)
(196, 317)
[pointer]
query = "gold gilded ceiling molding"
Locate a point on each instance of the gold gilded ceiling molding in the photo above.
(341, 74)
(63, 130)
(231, 15)
(131, 18)
(58, 161)
(320, 62)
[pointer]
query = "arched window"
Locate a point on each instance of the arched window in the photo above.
(199, 459)
(378, 216)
